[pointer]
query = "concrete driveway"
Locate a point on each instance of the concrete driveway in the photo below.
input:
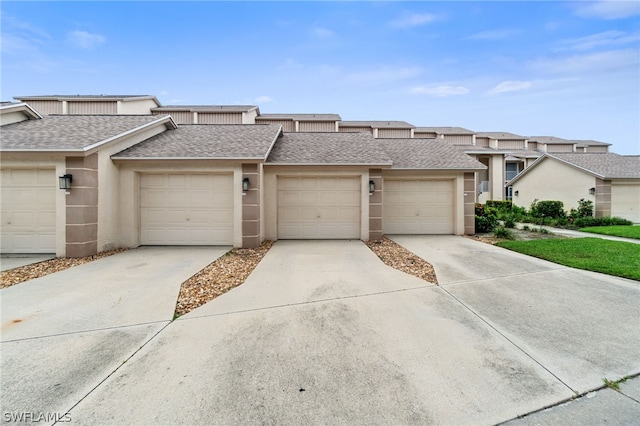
(324, 332)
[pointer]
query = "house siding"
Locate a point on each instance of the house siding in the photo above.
(316, 126)
(394, 133)
(511, 144)
(219, 118)
(46, 107)
(483, 142)
(108, 108)
(287, 125)
(560, 147)
(459, 139)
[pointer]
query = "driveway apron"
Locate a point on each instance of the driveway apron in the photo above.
(581, 326)
(64, 333)
(323, 332)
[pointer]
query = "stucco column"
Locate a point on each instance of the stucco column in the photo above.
(251, 207)
(469, 203)
(82, 207)
(375, 205)
(496, 176)
(603, 198)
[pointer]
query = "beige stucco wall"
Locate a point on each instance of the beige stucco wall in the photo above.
(270, 204)
(496, 177)
(12, 117)
(625, 199)
(139, 107)
(45, 161)
(554, 181)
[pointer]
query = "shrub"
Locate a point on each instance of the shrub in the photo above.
(500, 205)
(502, 232)
(583, 222)
(525, 228)
(548, 209)
(486, 219)
(509, 221)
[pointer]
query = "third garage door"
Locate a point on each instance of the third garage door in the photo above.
(418, 207)
(318, 207)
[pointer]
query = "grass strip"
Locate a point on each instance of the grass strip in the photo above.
(615, 258)
(616, 231)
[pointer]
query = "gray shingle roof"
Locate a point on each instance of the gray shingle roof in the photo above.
(445, 130)
(607, 165)
(204, 108)
(213, 141)
(86, 98)
(500, 135)
(69, 132)
(378, 124)
(328, 148)
(427, 154)
(590, 143)
(549, 140)
(299, 117)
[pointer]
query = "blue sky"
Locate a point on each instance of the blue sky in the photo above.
(566, 69)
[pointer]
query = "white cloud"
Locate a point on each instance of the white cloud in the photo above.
(263, 99)
(606, 38)
(323, 32)
(84, 40)
(492, 35)
(607, 9)
(510, 86)
(440, 91)
(410, 20)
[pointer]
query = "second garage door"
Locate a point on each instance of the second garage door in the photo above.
(418, 207)
(318, 207)
(186, 209)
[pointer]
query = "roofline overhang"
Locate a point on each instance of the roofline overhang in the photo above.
(243, 159)
(105, 98)
(547, 155)
(380, 165)
(457, 169)
(21, 107)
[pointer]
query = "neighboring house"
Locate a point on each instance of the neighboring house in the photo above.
(610, 181)
(210, 114)
(454, 135)
(92, 104)
(143, 180)
(379, 129)
(302, 122)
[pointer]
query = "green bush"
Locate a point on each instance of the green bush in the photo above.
(548, 209)
(500, 205)
(509, 221)
(584, 222)
(502, 232)
(486, 219)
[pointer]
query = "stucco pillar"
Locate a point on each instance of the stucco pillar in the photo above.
(603, 198)
(82, 207)
(251, 207)
(496, 176)
(375, 205)
(469, 203)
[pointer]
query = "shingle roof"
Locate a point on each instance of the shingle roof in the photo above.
(499, 135)
(549, 140)
(70, 132)
(328, 148)
(205, 108)
(590, 143)
(427, 154)
(607, 165)
(378, 124)
(299, 117)
(445, 130)
(86, 98)
(211, 141)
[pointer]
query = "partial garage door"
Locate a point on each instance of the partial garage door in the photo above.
(625, 201)
(28, 211)
(318, 207)
(418, 207)
(186, 209)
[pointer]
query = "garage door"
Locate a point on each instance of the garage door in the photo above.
(625, 201)
(318, 207)
(418, 207)
(186, 209)
(28, 211)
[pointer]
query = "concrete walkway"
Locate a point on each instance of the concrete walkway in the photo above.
(10, 262)
(578, 234)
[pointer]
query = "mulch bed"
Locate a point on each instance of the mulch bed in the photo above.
(398, 257)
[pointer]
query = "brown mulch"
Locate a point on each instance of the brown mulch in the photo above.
(398, 257)
(225, 273)
(37, 270)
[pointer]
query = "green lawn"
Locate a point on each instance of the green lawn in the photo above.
(592, 254)
(618, 231)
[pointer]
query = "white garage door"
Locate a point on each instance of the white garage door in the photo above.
(625, 201)
(418, 207)
(28, 211)
(318, 207)
(186, 209)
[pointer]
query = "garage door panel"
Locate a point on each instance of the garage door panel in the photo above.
(318, 207)
(418, 207)
(186, 209)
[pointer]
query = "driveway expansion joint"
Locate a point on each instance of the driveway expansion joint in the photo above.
(522, 274)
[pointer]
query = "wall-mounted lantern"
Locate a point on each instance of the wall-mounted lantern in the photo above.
(65, 181)
(592, 191)
(516, 193)
(372, 186)
(245, 184)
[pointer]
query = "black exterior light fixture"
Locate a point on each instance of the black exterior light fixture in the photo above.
(592, 191)
(372, 186)
(65, 181)
(516, 192)
(245, 184)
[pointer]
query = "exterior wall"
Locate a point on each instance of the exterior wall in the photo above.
(424, 135)
(496, 177)
(180, 117)
(603, 198)
(287, 125)
(251, 220)
(598, 149)
(375, 205)
(138, 107)
(484, 142)
(511, 144)
(316, 126)
(46, 107)
(250, 116)
(355, 130)
(469, 203)
(270, 186)
(532, 145)
(12, 117)
(87, 107)
(82, 207)
(625, 199)
(219, 118)
(560, 147)
(394, 133)
(551, 180)
(459, 139)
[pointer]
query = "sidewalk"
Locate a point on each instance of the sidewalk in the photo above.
(577, 234)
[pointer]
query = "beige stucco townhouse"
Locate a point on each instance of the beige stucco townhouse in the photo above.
(610, 181)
